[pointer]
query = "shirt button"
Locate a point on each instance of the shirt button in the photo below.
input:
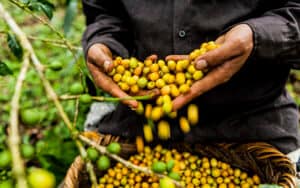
(181, 33)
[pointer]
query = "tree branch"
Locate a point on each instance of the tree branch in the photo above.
(13, 136)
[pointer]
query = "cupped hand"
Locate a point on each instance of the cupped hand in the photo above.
(99, 63)
(235, 48)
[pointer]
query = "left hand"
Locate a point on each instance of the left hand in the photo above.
(223, 62)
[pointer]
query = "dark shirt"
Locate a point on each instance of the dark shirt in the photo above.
(253, 105)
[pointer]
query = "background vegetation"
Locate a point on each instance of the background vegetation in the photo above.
(54, 147)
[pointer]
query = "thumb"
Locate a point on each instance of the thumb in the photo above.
(100, 55)
(217, 56)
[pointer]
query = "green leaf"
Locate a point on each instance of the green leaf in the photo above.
(47, 9)
(14, 45)
(42, 5)
(70, 16)
(4, 70)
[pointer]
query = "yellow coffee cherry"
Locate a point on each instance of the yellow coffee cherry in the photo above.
(146, 70)
(166, 99)
(151, 85)
(118, 59)
(191, 69)
(117, 77)
(174, 91)
(167, 107)
(188, 75)
(161, 63)
(112, 72)
(148, 110)
(148, 62)
(130, 81)
(134, 88)
(171, 79)
(133, 62)
(180, 78)
(160, 83)
(193, 114)
(154, 67)
(153, 76)
(211, 46)
(189, 82)
(256, 179)
(184, 125)
(159, 100)
(156, 113)
(172, 65)
(140, 109)
(125, 63)
(184, 88)
(148, 133)
(165, 90)
(203, 45)
(193, 55)
(127, 73)
(138, 71)
(124, 86)
(165, 69)
(139, 144)
(197, 75)
(120, 69)
(164, 131)
(179, 66)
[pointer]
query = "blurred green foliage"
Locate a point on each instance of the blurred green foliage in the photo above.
(54, 147)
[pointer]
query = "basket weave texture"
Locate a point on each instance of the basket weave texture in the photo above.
(261, 158)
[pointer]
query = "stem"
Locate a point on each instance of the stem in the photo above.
(13, 136)
(89, 165)
(126, 163)
(58, 43)
(108, 99)
(76, 112)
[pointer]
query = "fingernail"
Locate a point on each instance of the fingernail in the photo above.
(106, 64)
(201, 64)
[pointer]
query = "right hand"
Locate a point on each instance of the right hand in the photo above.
(99, 62)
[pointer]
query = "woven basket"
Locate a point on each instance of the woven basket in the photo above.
(267, 162)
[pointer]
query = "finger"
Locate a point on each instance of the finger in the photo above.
(100, 55)
(108, 85)
(176, 57)
(226, 51)
(153, 93)
(217, 76)
(220, 39)
(152, 57)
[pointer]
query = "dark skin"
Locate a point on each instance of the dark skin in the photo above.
(235, 48)
(99, 62)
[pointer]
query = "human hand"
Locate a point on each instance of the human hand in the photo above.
(99, 62)
(235, 47)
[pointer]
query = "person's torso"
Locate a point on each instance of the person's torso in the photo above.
(177, 27)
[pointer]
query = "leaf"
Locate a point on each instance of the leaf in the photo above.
(14, 45)
(48, 10)
(42, 5)
(4, 70)
(70, 16)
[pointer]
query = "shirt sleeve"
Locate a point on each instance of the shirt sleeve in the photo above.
(107, 24)
(277, 34)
